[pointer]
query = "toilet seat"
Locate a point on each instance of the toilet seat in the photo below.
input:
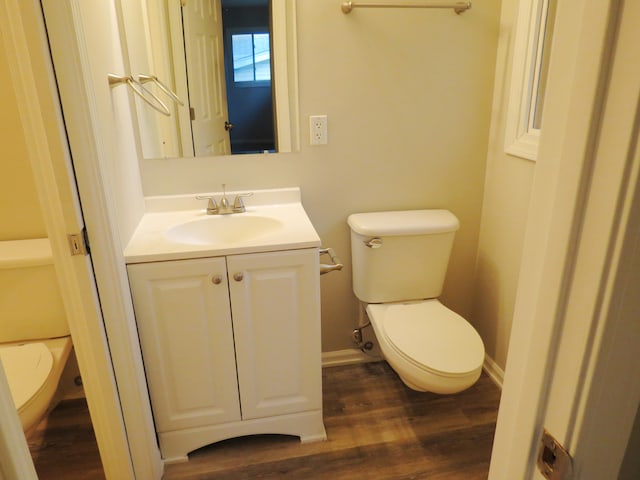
(33, 370)
(27, 368)
(434, 337)
(431, 347)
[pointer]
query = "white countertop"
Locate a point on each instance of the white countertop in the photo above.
(150, 244)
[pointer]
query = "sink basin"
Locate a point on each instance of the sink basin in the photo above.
(176, 227)
(216, 229)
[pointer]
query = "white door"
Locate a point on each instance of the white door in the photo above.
(205, 74)
(276, 321)
(573, 368)
(184, 321)
(85, 48)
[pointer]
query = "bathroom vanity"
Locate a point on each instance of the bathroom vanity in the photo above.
(228, 314)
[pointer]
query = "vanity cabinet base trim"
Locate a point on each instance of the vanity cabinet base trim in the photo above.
(175, 446)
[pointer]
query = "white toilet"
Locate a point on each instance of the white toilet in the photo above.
(399, 264)
(34, 335)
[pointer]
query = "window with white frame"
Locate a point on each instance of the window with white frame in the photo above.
(529, 77)
(251, 56)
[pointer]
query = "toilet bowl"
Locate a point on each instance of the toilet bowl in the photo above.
(431, 348)
(399, 264)
(33, 371)
(35, 341)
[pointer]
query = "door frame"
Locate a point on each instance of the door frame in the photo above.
(77, 95)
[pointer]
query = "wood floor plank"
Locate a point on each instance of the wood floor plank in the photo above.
(64, 445)
(377, 428)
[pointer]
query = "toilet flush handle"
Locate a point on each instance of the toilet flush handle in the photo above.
(375, 242)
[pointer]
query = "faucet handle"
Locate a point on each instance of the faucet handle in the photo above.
(238, 204)
(212, 206)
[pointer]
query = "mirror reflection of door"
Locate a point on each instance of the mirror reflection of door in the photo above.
(247, 53)
(202, 25)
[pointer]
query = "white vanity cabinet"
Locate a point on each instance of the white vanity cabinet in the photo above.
(231, 346)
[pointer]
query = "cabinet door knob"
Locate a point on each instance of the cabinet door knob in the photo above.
(238, 276)
(216, 279)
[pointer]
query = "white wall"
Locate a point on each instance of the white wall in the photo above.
(122, 172)
(408, 94)
(113, 122)
(408, 97)
(19, 209)
(505, 209)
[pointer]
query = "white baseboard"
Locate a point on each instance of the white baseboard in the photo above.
(347, 356)
(493, 370)
(352, 356)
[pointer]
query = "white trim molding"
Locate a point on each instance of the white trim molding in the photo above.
(348, 356)
(521, 136)
(495, 372)
(352, 356)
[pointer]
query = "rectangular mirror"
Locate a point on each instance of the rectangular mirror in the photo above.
(232, 65)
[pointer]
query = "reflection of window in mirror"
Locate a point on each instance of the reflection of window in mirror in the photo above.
(529, 77)
(251, 54)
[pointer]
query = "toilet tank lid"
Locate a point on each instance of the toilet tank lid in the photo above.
(406, 222)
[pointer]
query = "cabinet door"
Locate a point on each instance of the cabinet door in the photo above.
(184, 322)
(276, 321)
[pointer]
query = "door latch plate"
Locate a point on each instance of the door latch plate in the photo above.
(78, 243)
(554, 462)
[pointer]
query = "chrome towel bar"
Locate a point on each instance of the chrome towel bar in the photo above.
(149, 98)
(458, 7)
(144, 78)
(335, 264)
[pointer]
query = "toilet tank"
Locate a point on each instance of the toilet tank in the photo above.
(31, 305)
(400, 255)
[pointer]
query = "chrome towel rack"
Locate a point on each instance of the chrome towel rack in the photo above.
(336, 263)
(137, 87)
(457, 7)
(144, 78)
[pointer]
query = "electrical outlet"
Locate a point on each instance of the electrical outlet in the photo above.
(318, 130)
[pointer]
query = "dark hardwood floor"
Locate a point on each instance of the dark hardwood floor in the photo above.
(377, 428)
(63, 446)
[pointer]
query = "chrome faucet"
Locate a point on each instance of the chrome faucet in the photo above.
(224, 203)
(224, 208)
